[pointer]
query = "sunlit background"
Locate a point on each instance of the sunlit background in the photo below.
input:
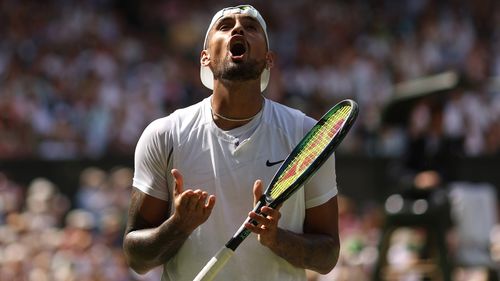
(418, 174)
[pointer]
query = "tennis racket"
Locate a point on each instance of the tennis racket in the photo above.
(304, 160)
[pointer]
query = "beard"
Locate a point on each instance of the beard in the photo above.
(250, 69)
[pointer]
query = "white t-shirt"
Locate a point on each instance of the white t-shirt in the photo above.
(222, 164)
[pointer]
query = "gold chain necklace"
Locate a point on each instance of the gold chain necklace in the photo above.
(233, 119)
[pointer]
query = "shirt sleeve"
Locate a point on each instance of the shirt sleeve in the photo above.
(151, 160)
(322, 186)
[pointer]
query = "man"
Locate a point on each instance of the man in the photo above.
(228, 147)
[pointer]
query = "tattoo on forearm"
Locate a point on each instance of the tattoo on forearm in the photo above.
(311, 251)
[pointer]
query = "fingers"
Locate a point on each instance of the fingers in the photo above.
(265, 225)
(200, 201)
(268, 211)
(257, 191)
(189, 199)
(178, 180)
(268, 219)
(268, 215)
(196, 200)
(210, 203)
(192, 207)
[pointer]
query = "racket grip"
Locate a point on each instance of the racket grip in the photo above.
(215, 264)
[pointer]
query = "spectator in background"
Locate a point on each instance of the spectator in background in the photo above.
(75, 76)
(43, 238)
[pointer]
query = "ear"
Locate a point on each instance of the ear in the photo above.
(204, 58)
(270, 56)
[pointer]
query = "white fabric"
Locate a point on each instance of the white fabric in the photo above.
(208, 158)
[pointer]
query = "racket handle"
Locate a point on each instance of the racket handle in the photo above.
(215, 264)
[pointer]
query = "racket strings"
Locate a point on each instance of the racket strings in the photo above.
(312, 147)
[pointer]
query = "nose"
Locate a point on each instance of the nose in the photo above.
(237, 28)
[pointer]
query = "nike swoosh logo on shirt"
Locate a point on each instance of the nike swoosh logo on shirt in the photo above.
(270, 164)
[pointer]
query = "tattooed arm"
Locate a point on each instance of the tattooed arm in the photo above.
(152, 235)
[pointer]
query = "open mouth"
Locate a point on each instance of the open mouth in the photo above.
(238, 49)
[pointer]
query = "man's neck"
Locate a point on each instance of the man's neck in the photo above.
(234, 105)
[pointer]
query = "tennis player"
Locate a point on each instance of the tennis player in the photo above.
(199, 171)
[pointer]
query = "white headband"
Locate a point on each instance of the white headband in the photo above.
(206, 75)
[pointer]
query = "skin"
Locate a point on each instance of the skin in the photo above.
(154, 233)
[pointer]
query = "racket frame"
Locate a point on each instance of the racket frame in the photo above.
(320, 159)
(266, 200)
(223, 255)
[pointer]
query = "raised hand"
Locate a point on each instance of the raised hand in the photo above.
(267, 227)
(192, 207)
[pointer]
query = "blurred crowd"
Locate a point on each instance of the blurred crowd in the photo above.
(46, 237)
(81, 79)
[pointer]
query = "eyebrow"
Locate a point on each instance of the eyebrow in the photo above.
(224, 19)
